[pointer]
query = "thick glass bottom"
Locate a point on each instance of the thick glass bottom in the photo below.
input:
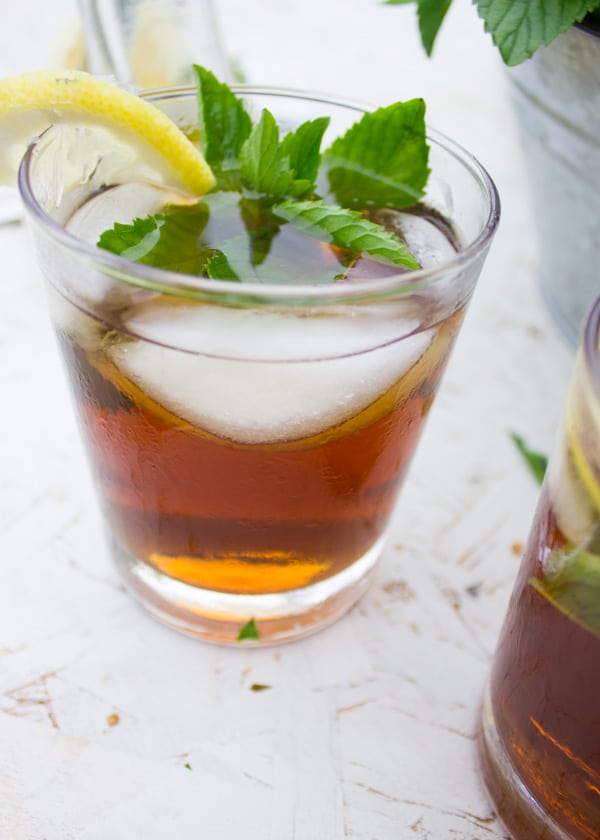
(520, 812)
(219, 616)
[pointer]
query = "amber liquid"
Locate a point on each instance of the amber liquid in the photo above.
(545, 690)
(247, 518)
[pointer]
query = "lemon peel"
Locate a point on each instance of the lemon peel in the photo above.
(31, 102)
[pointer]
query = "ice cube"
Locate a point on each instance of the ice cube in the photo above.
(274, 335)
(122, 203)
(265, 377)
(98, 292)
(424, 239)
(73, 161)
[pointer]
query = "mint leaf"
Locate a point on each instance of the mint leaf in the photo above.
(281, 170)
(520, 27)
(382, 160)
(249, 631)
(132, 241)
(261, 225)
(536, 462)
(572, 585)
(170, 240)
(218, 267)
(265, 169)
(346, 229)
(224, 127)
(302, 148)
(431, 14)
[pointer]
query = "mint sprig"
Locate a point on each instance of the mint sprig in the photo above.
(265, 180)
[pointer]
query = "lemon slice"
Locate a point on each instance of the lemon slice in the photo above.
(31, 102)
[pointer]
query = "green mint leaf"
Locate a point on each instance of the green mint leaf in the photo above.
(265, 169)
(536, 462)
(224, 127)
(170, 240)
(520, 27)
(572, 585)
(346, 229)
(286, 169)
(382, 160)
(218, 267)
(187, 765)
(431, 14)
(132, 241)
(302, 148)
(262, 227)
(249, 631)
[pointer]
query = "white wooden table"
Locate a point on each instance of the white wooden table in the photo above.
(113, 727)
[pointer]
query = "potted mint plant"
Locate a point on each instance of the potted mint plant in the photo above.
(556, 93)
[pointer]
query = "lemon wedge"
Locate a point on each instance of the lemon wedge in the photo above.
(156, 147)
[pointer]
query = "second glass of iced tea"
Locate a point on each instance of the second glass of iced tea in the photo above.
(541, 725)
(248, 441)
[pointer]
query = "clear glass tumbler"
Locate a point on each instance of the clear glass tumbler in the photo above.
(152, 43)
(541, 723)
(247, 440)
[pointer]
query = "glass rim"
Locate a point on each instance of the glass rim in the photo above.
(189, 286)
(591, 346)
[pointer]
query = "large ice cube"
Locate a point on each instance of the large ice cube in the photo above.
(122, 203)
(99, 294)
(259, 377)
(425, 240)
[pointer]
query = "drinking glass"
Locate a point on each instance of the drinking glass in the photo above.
(248, 440)
(541, 723)
(152, 43)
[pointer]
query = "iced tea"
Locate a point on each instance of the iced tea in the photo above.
(248, 434)
(542, 728)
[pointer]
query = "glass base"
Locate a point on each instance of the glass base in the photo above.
(522, 815)
(219, 616)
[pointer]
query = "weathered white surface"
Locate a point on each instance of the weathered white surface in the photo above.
(368, 729)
